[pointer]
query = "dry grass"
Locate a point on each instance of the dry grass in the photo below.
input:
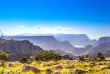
(13, 68)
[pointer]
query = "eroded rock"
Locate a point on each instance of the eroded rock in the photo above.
(32, 68)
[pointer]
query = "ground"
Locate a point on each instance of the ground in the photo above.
(64, 66)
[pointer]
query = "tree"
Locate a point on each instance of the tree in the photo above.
(23, 60)
(4, 56)
(80, 58)
(45, 55)
(100, 56)
(2, 36)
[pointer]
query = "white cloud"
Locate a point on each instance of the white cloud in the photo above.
(62, 28)
(38, 26)
(21, 26)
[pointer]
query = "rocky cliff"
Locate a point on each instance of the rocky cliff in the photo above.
(18, 49)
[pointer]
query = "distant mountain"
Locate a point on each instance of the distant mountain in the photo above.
(103, 40)
(18, 49)
(79, 51)
(75, 39)
(102, 45)
(46, 42)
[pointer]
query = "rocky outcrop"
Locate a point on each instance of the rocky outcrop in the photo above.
(18, 49)
(30, 68)
(64, 56)
(62, 52)
(48, 71)
(78, 72)
(57, 72)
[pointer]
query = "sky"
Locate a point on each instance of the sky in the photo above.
(91, 17)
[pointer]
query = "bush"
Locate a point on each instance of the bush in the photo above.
(23, 60)
(4, 56)
(80, 58)
(31, 58)
(100, 57)
(45, 55)
(70, 58)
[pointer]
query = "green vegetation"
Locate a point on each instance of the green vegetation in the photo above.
(23, 60)
(48, 62)
(45, 55)
(4, 56)
(99, 57)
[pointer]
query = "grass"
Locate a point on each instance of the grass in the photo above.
(13, 68)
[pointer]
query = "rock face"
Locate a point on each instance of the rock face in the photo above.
(64, 56)
(32, 68)
(18, 49)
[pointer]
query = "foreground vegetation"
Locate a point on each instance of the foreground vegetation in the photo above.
(49, 62)
(63, 66)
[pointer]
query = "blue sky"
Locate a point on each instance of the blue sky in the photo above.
(91, 17)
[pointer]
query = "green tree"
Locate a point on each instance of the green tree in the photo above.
(4, 56)
(45, 55)
(100, 56)
(23, 60)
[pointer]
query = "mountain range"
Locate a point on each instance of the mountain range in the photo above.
(65, 43)
(74, 39)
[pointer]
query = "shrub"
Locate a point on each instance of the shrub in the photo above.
(4, 56)
(70, 58)
(100, 57)
(80, 58)
(45, 55)
(23, 60)
(31, 58)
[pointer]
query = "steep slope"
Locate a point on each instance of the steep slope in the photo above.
(79, 51)
(103, 46)
(103, 40)
(19, 49)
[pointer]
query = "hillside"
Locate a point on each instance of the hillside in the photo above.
(18, 49)
(103, 46)
(46, 42)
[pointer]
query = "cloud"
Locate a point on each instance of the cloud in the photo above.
(20, 26)
(62, 28)
(37, 27)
